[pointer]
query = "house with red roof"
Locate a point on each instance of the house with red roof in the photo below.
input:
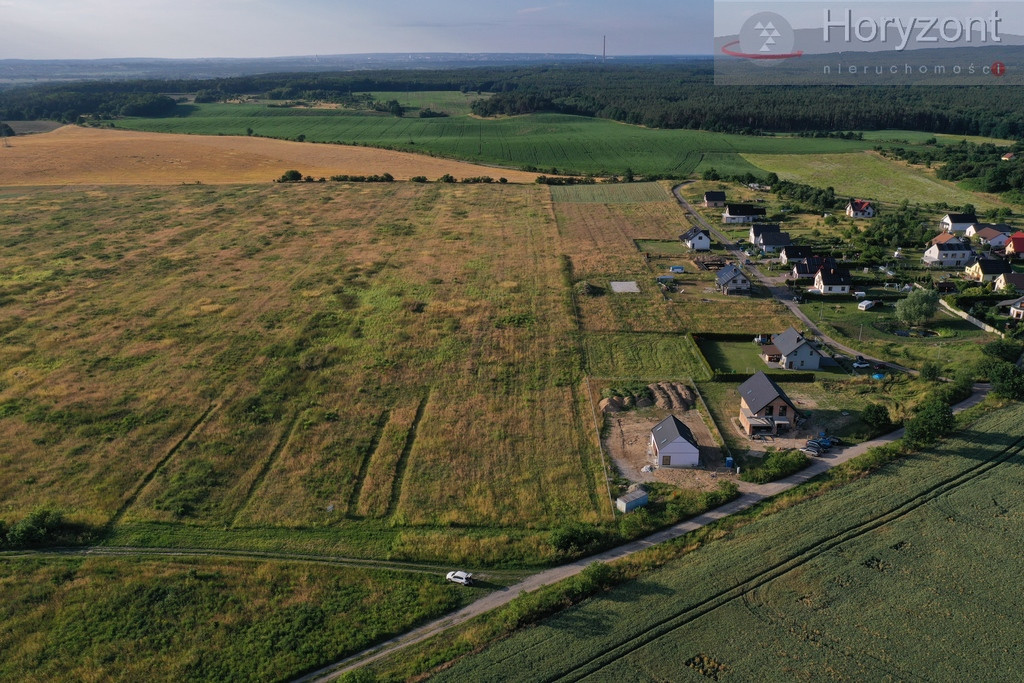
(1015, 247)
(860, 208)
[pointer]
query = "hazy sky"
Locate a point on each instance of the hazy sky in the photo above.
(87, 29)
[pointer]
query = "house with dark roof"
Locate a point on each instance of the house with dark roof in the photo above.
(764, 406)
(1012, 282)
(807, 270)
(672, 444)
(958, 222)
(697, 239)
(714, 200)
(742, 213)
(791, 351)
(987, 269)
(951, 254)
(792, 253)
(758, 229)
(1015, 247)
(975, 228)
(732, 280)
(860, 208)
(771, 242)
(833, 281)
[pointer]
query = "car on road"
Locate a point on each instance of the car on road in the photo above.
(820, 444)
(813, 452)
(465, 578)
(861, 364)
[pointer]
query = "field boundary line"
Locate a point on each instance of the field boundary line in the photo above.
(600, 445)
(151, 474)
(279, 447)
(403, 460)
(778, 570)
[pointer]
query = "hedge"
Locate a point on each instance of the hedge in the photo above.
(727, 377)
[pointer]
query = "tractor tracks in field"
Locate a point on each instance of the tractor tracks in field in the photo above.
(805, 555)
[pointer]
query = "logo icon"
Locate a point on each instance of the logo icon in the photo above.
(765, 35)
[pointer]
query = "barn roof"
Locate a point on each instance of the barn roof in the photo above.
(671, 430)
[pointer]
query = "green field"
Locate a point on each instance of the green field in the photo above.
(542, 141)
(870, 176)
(916, 137)
(906, 574)
(453, 103)
(124, 619)
(621, 193)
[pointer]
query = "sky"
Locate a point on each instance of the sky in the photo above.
(94, 29)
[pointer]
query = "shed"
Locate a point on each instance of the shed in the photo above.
(628, 502)
(673, 445)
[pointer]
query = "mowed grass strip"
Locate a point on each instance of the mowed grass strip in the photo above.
(378, 486)
(609, 193)
(870, 176)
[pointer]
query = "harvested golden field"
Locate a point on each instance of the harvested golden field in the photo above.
(73, 155)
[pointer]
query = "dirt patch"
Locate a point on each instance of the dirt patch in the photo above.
(629, 437)
(672, 396)
(73, 155)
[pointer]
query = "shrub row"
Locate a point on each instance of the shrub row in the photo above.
(775, 465)
(728, 377)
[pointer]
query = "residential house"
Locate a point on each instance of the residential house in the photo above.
(975, 228)
(987, 269)
(1015, 247)
(764, 406)
(990, 237)
(672, 444)
(793, 253)
(809, 268)
(771, 242)
(943, 238)
(697, 239)
(731, 280)
(758, 229)
(790, 351)
(950, 254)
(1016, 307)
(714, 200)
(833, 281)
(742, 213)
(1008, 156)
(958, 222)
(860, 208)
(1013, 282)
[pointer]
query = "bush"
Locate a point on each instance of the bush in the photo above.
(775, 465)
(876, 416)
(419, 179)
(934, 420)
(43, 527)
(576, 538)
(291, 176)
(931, 371)
(1003, 349)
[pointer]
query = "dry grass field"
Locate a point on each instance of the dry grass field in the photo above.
(90, 156)
(351, 358)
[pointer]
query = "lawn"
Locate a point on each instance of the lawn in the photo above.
(872, 332)
(538, 141)
(906, 573)
(870, 176)
(609, 193)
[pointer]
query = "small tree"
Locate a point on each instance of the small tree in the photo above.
(931, 371)
(934, 420)
(919, 306)
(1004, 349)
(876, 415)
(291, 176)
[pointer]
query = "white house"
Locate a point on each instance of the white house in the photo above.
(697, 239)
(958, 222)
(1013, 282)
(771, 242)
(950, 254)
(759, 229)
(791, 351)
(793, 254)
(833, 281)
(742, 213)
(860, 208)
(673, 445)
(990, 236)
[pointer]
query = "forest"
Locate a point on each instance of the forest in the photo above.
(656, 95)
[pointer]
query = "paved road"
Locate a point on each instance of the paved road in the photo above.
(750, 495)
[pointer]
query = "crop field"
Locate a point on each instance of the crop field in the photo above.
(92, 156)
(453, 103)
(874, 333)
(916, 137)
(361, 362)
(539, 141)
(907, 574)
(605, 193)
(104, 618)
(870, 176)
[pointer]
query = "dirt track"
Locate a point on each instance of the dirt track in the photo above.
(72, 155)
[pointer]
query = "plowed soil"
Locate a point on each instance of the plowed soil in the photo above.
(73, 155)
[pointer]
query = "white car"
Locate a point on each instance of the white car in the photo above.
(860, 365)
(465, 578)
